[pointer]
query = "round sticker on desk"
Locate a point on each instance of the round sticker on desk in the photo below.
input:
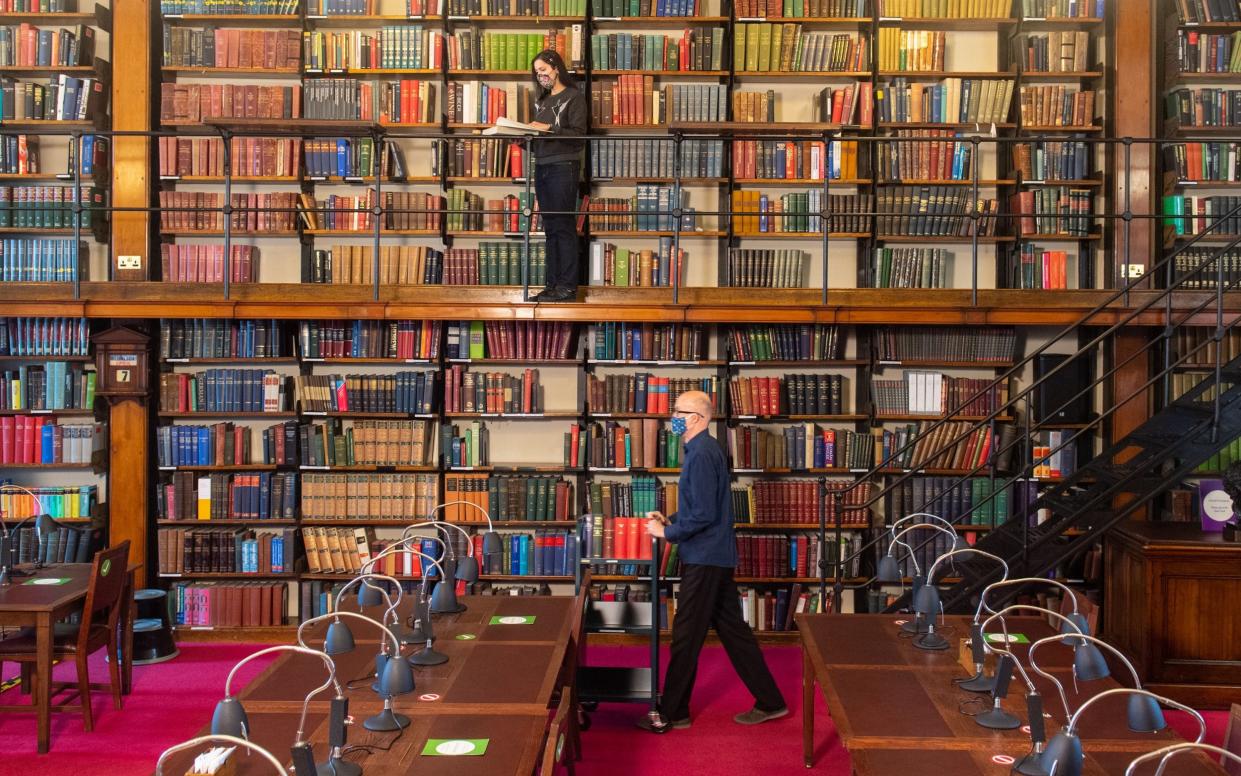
(1003, 759)
(1025, 729)
(48, 581)
(900, 622)
(456, 746)
(466, 637)
(430, 696)
(513, 620)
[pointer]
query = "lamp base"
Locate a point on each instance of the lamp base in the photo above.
(914, 626)
(338, 767)
(427, 657)
(404, 634)
(458, 609)
(997, 719)
(386, 721)
(979, 682)
(931, 641)
(1029, 765)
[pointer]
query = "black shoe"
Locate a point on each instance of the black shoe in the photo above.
(560, 294)
(542, 296)
(653, 723)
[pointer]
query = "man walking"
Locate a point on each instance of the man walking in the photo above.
(707, 546)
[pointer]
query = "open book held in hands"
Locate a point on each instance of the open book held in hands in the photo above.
(505, 126)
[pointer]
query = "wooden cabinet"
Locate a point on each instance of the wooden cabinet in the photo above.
(1171, 604)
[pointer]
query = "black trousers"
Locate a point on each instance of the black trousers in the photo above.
(555, 185)
(709, 599)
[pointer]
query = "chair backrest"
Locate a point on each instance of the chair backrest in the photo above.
(1232, 740)
(554, 750)
(107, 581)
(1085, 607)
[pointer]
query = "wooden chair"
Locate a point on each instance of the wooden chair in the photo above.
(77, 641)
(1232, 740)
(559, 748)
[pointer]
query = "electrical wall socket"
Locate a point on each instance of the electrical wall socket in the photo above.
(1134, 270)
(129, 262)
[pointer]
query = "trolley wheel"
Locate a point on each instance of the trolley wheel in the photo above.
(590, 705)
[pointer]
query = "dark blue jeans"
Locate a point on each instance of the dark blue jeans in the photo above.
(555, 185)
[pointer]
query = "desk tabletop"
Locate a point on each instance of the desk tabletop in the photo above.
(551, 618)
(514, 744)
(895, 705)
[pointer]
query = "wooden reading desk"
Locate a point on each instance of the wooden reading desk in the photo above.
(498, 684)
(897, 709)
(25, 603)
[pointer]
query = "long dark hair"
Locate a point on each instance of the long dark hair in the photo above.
(553, 59)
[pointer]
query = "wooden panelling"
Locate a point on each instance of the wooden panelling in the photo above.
(128, 480)
(132, 36)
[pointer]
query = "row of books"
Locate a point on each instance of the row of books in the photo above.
(1061, 9)
(633, 100)
(68, 502)
(1204, 162)
(63, 98)
(797, 501)
(972, 501)
(1057, 105)
(53, 260)
(181, 103)
(1198, 347)
(953, 100)
(406, 391)
(222, 47)
(911, 50)
(621, 341)
(201, 211)
(756, 213)
(767, 268)
(1053, 210)
(466, 445)
(50, 207)
(44, 336)
(542, 340)
(470, 49)
(611, 536)
(473, 102)
(611, 265)
(396, 497)
(1053, 160)
(1195, 214)
(487, 157)
(643, 392)
(1221, 460)
(1058, 457)
(396, 340)
(934, 211)
(638, 443)
(788, 394)
(944, 9)
(768, 556)
(697, 48)
(1199, 11)
(535, 8)
(223, 390)
(198, 263)
(836, 9)
(470, 212)
(227, 496)
(956, 445)
(355, 265)
(52, 385)
(231, 605)
(844, 105)
(912, 268)
(643, 8)
(338, 443)
(493, 392)
(412, 47)
(37, 440)
(994, 344)
(766, 610)
(1204, 107)
(540, 554)
(1044, 269)
(265, 157)
(1059, 51)
(799, 447)
(1205, 52)
(934, 393)
(226, 444)
(226, 551)
(190, 338)
(795, 159)
(785, 342)
(509, 497)
(25, 45)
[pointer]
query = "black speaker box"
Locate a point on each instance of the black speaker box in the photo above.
(1054, 394)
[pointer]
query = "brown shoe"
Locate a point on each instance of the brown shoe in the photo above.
(756, 716)
(679, 724)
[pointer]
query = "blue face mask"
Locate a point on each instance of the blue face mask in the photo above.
(678, 425)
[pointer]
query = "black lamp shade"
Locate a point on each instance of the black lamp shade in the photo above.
(467, 569)
(917, 583)
(397, 678)
(339, 639)
(1144, 714)
(1083, 626)
(444, 598)
(230, 719)
(1089, 663)
(926, 602)
(889, 570)
(492, 544)
(1063, 755)
(44, 525)
(369, 594)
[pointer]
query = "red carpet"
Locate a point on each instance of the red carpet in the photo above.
(171, 701)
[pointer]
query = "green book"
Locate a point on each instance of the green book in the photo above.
(477, 340)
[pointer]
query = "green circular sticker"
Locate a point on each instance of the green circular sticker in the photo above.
(105, 567)
(466, 637)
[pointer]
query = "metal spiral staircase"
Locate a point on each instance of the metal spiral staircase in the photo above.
(1179, 435)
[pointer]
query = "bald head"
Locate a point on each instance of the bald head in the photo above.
(695, 401)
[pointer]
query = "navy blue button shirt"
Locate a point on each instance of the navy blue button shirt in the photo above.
(703, 529)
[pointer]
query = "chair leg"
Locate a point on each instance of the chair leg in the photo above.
(27, 678)
(114, 674)
(88, 722)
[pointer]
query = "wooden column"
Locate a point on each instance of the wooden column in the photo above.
(131, 110)
(129, 480)
(1133, 107)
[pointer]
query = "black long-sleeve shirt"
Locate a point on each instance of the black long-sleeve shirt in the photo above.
(703, 530)
(566, 113)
